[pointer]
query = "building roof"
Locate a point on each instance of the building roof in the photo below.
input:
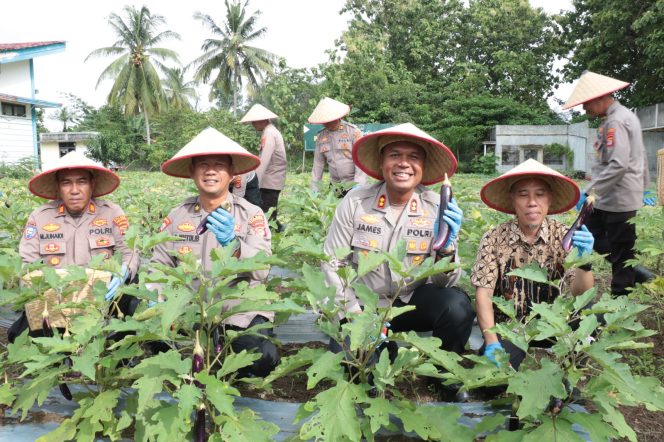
(33, 101)
(11, 52)
(17, 46)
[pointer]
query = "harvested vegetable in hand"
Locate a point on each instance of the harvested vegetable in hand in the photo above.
(444, 231)
(584, 213)
(202, 227)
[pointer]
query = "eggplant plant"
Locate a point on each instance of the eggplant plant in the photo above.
(183, 391)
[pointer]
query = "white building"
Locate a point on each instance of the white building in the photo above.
(18, 102)
(56, 144)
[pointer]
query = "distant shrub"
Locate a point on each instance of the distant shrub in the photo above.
(483, 164)
(23, 168)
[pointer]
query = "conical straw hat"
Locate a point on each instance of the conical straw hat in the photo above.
(592, 85)
(45, 185)
(258, 112)
(328, 110)
(439, 161)
(565, 192)
(210, 142)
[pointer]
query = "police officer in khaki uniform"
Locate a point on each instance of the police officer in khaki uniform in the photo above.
(76, 226)
(246, 186)
(334, 145)
(211, 160)
(399, 207)
(619, 175)
(272, 170)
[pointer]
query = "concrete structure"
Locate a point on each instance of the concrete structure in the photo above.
(56, 144)
(514, 144)
(18, 102)
(652, 123)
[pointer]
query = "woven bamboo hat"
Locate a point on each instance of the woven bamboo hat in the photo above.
(565, 192)
(439, 161)
(592, 85)
(45, 185)
(328, 110)
(258, 112)
(210, 142)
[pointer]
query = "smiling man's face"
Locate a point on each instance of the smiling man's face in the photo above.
(212, 174)
(402, 164)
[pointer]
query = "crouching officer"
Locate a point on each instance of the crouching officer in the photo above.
(76, 226)
(211, 160)
(377, 217)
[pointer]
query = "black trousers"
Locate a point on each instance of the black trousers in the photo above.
(270, 199)
(266, 348)
(446, 311)
(615, 236)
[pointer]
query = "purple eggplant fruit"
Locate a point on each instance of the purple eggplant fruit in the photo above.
(584, 213)
(200, 435)
(202, 227)
(443, 233)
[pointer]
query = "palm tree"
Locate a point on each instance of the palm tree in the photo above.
(136, 87)
(178, 91)
(231, 54)
(65, 115)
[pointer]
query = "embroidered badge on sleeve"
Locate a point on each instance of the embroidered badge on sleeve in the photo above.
(610, 137)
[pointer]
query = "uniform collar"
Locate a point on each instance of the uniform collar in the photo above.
(613, 108)
(382, 202)
(62, 210)
(197, 206)
(517, 236)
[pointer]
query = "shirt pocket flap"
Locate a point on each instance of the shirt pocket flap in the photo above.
(101, 242)
(53, 248)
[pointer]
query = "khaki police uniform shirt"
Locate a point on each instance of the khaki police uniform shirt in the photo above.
(365, 222)
(58, 239)
(251, 231)
(335, 148)
(272, 170)
(620, 170)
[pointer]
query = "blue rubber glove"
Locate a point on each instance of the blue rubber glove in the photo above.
(490, 350)
(116, 282)
(222, 224)
(454, 218)
(583, 240)
(581, 201)
(649, 198)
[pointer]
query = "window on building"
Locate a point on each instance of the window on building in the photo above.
(554, 158)
(13, 110)
(531, 152)
(510, 156)
(66, 147)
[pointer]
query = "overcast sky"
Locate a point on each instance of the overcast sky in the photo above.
(299, 30)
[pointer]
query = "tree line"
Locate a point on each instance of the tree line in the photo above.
(454, 68)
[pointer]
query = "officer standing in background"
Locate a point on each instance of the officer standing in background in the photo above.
(272, 170)
(334, 145)
(76, 226)
(619, 175)
(246, 186)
